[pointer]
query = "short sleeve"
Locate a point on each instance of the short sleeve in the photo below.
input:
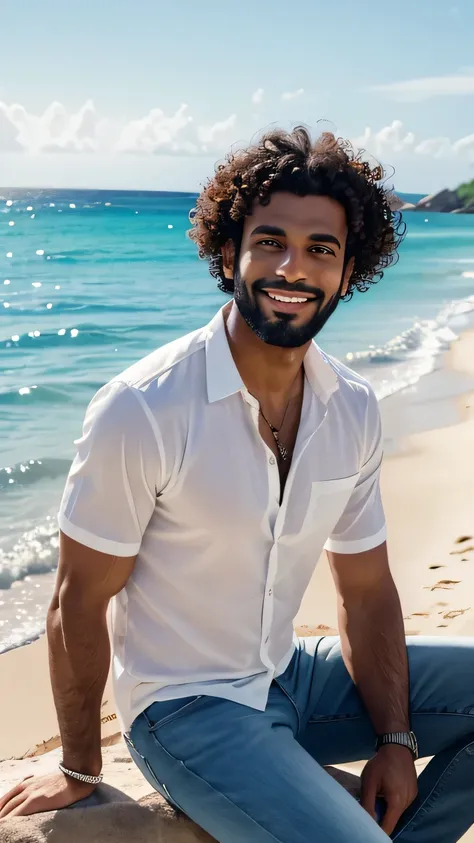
(110, 493)
(362, 524)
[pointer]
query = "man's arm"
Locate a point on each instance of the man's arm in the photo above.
(108, 501)
(372, 635)
(79, 649)
(374, 652)
(79, 659)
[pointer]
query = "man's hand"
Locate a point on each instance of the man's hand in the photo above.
(43, 793)
(390, 774)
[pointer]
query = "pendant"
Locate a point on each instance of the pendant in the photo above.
(281, 448)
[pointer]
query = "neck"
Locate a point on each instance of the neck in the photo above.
(266, 370)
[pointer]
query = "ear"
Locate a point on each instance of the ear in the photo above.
(347, 276)
(228, 259)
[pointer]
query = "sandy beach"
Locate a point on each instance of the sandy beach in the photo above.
(428, 494)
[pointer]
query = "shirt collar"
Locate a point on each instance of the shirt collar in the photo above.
(320, 373)
(223, 377)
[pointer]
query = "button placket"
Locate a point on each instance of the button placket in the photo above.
(273, 513)
(272, 466)
(268, 603)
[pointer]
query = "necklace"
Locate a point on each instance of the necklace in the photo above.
(284, 453)
(276, 434)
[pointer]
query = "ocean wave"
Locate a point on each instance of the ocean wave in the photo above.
(36, 395)
(403, 360)
(32, 471)
(107, 256)
(82, 335)
(35, 552)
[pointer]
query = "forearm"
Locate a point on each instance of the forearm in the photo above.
(374, 651)
(79, 659)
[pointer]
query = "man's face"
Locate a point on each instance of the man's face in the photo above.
(290, 272)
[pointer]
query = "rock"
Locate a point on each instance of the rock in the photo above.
(396, 204)
(445, 201)
(112, 820)
(111, 815)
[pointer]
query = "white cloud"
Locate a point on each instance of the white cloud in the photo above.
(464, 144)
(157, 133)
(257, 96)
(395, 139)
(57, 130)
(179, 133)
(440, 147)
(416, 90)
(211, 134)
(54, 131)
(8, 131)
(292, 95)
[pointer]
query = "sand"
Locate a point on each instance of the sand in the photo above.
(428, 491)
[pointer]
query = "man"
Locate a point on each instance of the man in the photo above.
(207, 481)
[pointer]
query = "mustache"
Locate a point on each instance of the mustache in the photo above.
(263, 284)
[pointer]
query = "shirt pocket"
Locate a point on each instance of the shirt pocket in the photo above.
(327, 501)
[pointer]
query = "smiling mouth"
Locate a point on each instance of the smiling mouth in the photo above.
(288, 303)
(283, 298)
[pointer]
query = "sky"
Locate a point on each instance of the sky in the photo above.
(150, 94)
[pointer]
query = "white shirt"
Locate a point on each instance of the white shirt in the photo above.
(172, 467)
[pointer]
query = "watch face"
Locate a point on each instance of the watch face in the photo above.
(414, 742)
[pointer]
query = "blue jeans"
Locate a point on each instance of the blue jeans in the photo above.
(253, 776)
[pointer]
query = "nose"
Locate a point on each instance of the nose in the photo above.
(291, 266)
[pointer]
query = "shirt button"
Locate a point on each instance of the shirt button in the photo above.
(270, 592)
(272, 460)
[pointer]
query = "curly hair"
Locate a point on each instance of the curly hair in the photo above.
(292, 162)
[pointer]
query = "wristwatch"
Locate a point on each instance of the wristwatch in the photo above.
(407, 739)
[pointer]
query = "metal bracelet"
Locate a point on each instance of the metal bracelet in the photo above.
(80, 776)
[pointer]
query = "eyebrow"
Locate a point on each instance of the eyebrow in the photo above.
(275, 231)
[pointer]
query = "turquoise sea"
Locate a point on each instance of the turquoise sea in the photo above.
(91, 281)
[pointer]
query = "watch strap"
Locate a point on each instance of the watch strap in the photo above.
(407, 739)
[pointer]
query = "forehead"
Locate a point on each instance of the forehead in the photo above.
(300, 215)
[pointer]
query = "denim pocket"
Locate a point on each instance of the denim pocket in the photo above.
(148, 772)
(143, 765)
(160, 713)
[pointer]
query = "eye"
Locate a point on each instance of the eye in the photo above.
(322, 250)
(269, 242)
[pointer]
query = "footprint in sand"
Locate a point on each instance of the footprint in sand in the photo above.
(445, 584)
(455, 613)
(451, 615)
(305, 631)
(463, 540)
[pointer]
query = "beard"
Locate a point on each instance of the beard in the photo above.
(281, 331)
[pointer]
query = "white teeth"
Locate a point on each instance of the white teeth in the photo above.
(286, 298)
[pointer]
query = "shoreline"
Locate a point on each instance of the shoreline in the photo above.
(427, 489)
